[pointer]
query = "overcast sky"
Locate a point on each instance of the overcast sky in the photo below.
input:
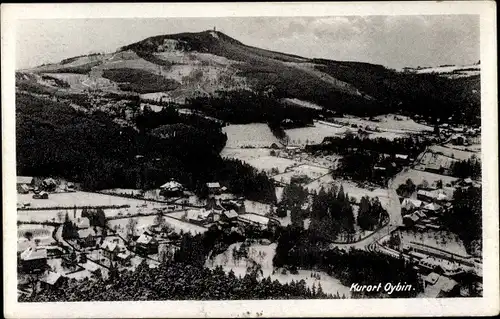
(393, 41)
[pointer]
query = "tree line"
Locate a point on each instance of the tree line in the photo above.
(53, 139)
(244, 106)
(299, 249)
(465, 218)
(467, 168)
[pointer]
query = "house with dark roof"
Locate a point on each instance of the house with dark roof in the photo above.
(49, 184)
(52, 280)
(110, 249)
(34, 259)
(171, 189)
(146, 244)
(87, 237)
(214, 188)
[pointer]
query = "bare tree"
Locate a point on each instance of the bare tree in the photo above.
(131, 228)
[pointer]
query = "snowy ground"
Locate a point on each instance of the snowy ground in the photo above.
(257, 207)
(430, 158)
(41, 234)
(310, 171)
(255, 134)
(418, 177)
(267, 163)
(77, 199)
(144, 221)
(263, 255)
(437, 238)
(387, 135)
(244, 154)
(390, 122)
(451, 152)
(313, 135)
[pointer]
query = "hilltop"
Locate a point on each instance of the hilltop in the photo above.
(185, 66)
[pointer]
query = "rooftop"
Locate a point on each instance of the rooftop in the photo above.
(33, 253)
(254, 218)
(51, 278)
(24, 179)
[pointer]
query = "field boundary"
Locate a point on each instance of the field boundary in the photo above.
(74, 207)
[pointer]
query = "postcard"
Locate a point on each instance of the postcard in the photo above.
(250, 159)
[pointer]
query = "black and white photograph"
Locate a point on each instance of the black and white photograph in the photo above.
(219, 158)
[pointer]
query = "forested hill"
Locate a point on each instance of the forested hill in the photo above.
(189, 65)
(55, 139)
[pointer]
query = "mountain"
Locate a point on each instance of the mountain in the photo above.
(185, 66)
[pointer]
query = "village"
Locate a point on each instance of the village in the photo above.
(65, 233)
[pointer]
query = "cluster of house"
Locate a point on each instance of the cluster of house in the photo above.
(40, 187)
(425, 211)
(459, 135)
(228, 212)
(173, 188)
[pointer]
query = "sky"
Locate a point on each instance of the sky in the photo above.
(393, 41)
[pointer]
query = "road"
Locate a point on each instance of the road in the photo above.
(395, 220)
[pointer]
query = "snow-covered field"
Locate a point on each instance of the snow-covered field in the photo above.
(310, 171)
(451, 152)
(257, 207)
(313, 134)
(387, 135)
(390, 122)
(325, 181)
(244, 154)
(430, 158)
(77, 199)
(440, 239)
(255, 134)
(267, 163)
(419, 176)
(144, 221)
(263, 255)
(41, 234)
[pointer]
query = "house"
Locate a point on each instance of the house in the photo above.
(458, 139)
(213, 188)
(146, 244)
(171, 189)
(401, 158)
(410, 220)
(200, 217)
(411, 204)
(41, 195)
(258, 221)
(23, 189)
(34, 259)
(70, 186)
(229, 216)
(237, 206)
(420, 214)
(83, 222)
(27, 180)
(49, 184)
(438, 286)
(434, 168)
(52, 280)
(432, 207)
(87, 237)
(426, 196)
(110, 249)
(124, 257)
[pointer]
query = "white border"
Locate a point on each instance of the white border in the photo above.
(488, 305)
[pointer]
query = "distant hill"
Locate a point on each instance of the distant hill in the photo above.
(180, 67)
